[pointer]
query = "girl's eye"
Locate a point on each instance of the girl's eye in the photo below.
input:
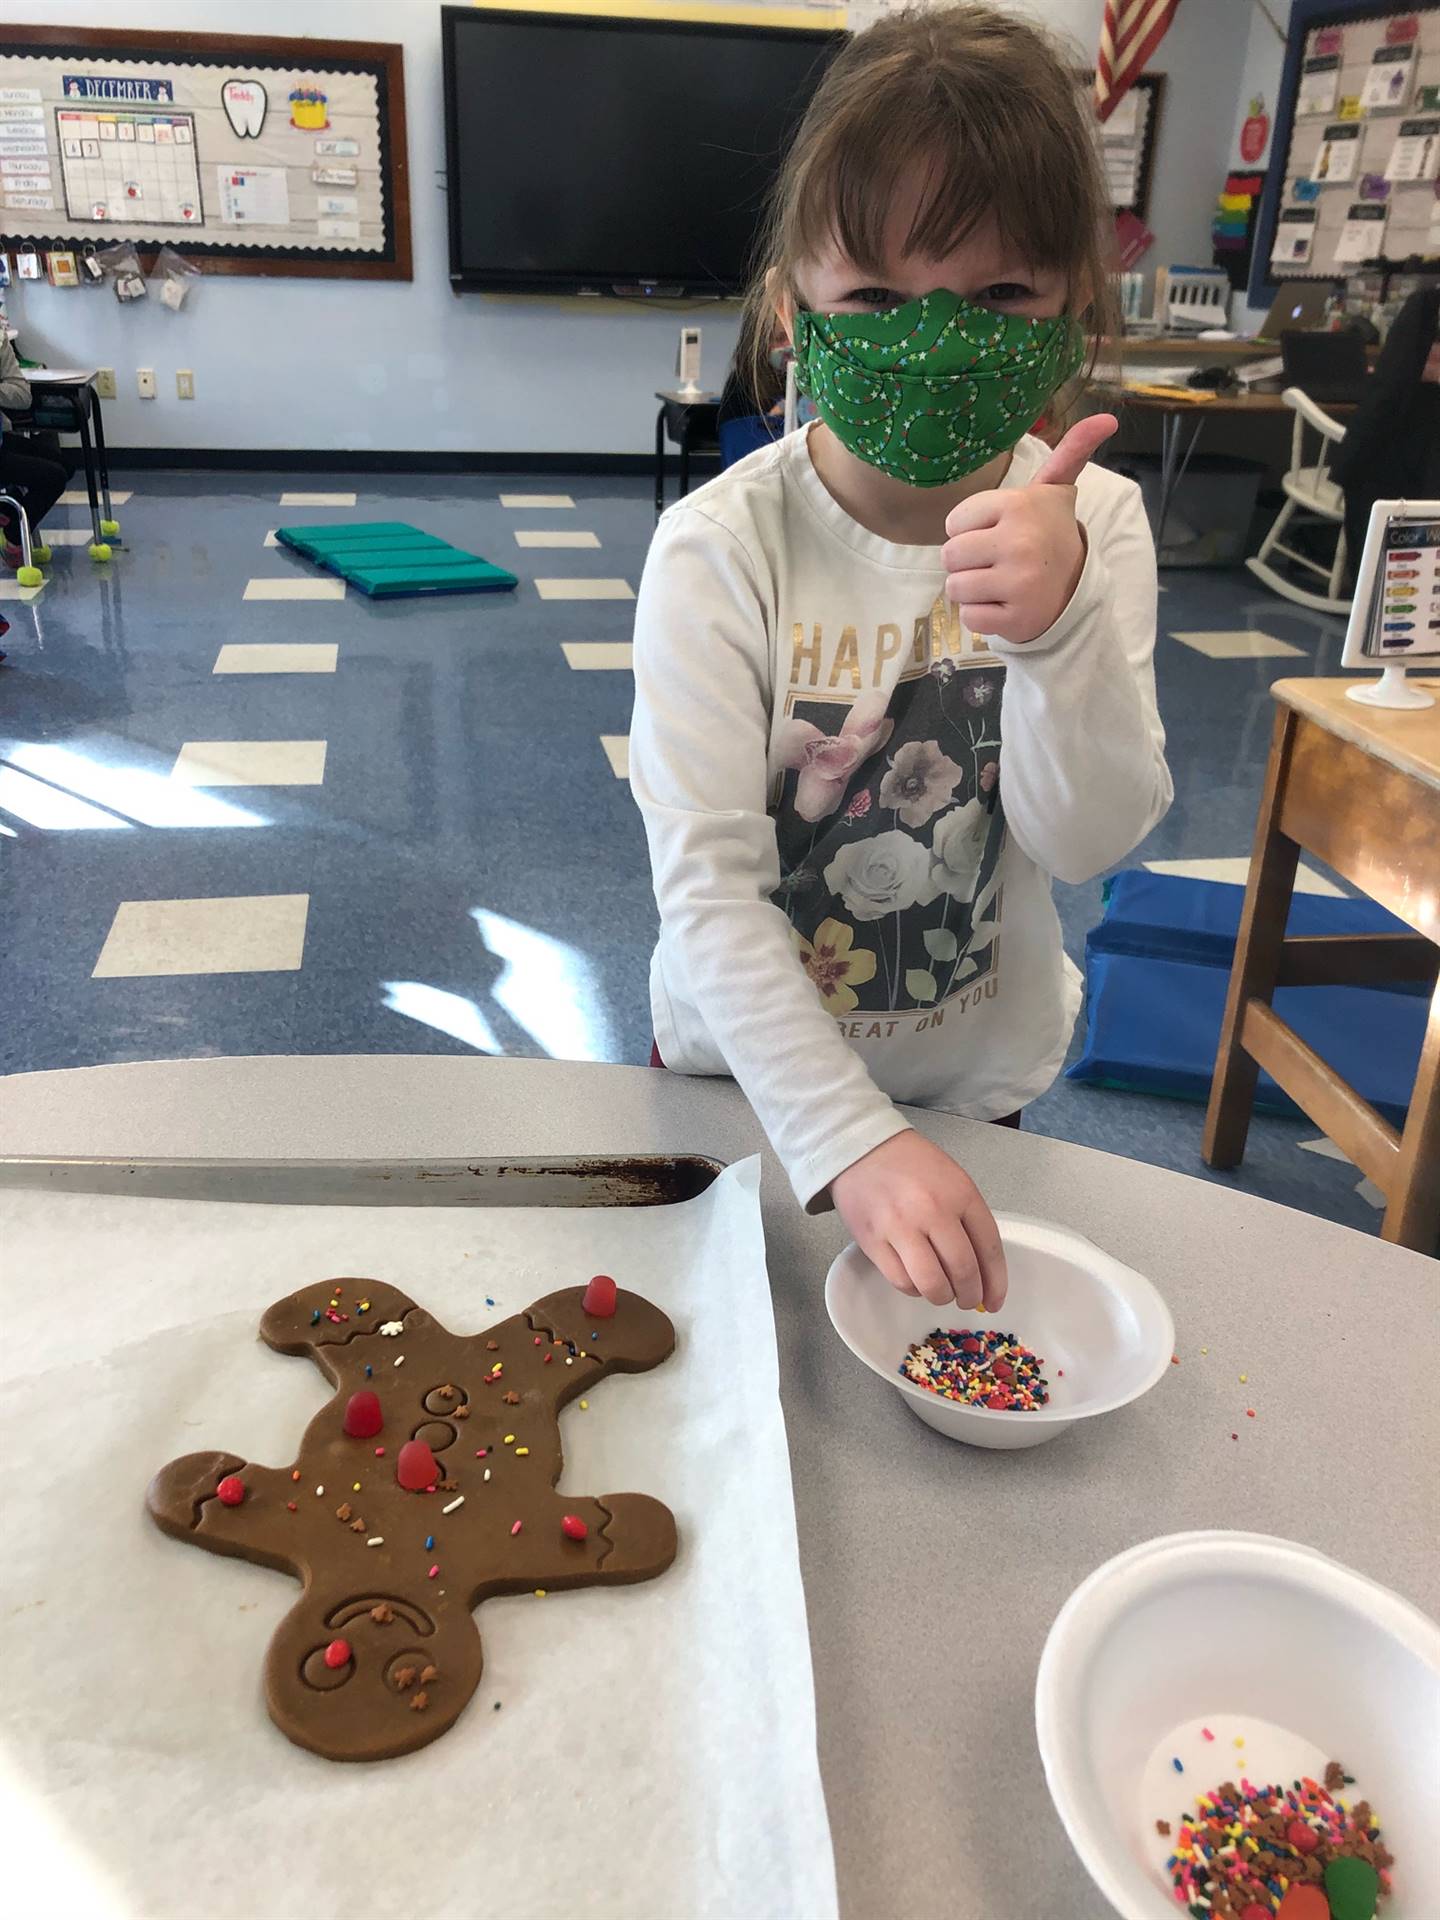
(878, 297)
(1004, 293)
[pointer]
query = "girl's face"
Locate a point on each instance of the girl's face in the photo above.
(982, 269)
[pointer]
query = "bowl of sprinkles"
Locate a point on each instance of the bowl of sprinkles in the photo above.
(1236, 1727)
(1079, 1335)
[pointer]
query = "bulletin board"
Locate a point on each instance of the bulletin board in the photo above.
(1127, 140)
(254, 155)
(1360, 184)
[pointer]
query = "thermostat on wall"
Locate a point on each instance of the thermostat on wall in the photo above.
(687, 359)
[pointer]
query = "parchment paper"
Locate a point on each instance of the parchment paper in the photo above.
(653, 1755)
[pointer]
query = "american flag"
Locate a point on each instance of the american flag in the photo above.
(1129, 34)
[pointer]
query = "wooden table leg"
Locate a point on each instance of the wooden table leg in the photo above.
(1257, 959)
(1412, 1218)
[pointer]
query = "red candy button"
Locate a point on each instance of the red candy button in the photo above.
(970, 1345)
(1256, 1912)
(1303, 1902)
(599, 1300)
(573, 1527)
(415, 1466)
(999, 1401)
(1304, 1839)
(337, 1654)
(231, 1490)
(363, 1418)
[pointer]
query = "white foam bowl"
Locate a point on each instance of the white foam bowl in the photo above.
(1252, 1638)
(1099, 1323)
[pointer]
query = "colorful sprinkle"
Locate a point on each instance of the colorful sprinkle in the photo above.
(292, 1506)
(521, 1452)
(458, 1501)
(978, 1368)
(432, 1573)
(516, 1528)
(1177, 1766)
(376, 1540)
(1205, 1734)
(429, 1541)
(584, 1406)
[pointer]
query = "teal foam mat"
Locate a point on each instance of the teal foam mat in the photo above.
(387, 558)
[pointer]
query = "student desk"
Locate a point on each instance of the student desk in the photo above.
(692, 421)
(73, 406)
(1173, 412)
(1358, 787)
(932, 1571)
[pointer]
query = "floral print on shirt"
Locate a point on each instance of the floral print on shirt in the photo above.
(890, 828)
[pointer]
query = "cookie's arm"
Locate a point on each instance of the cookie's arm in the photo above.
(635, 1338)
(184, 1500)
(325, 1319)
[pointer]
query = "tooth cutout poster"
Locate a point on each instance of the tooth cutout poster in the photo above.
(211, 143)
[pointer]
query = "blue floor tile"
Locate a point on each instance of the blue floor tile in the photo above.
(477, 875)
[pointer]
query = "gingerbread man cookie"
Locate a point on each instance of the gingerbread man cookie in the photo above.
(423, 1487)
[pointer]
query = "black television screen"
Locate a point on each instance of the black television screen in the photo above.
(594, 154)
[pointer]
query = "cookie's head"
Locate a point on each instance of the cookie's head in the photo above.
(371, 1677)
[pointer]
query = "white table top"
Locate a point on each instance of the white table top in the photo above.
(61, 376)
(932, 1571)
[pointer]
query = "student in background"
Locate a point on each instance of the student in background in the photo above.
(853, 876)
(1392, 445)
(34, 476)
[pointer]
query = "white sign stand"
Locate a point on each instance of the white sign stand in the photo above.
(1395, 615)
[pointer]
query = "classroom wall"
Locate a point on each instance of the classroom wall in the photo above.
(315, 364)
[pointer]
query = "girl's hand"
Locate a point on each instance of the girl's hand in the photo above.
(1015, 555)
(919, 1217)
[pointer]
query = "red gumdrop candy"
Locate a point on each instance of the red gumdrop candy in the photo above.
(363, 1418)
(999, 1401)
(599, 1300)
(573, 1527)
(1256, 1912)
(1304, 1839)
(1303, 1902)
(231, 1490)
(337, 1654)
(415, 1466)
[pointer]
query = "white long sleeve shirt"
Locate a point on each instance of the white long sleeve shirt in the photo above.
(853, 874)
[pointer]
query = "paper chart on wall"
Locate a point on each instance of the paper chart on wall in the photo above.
(1340, 145)
(1294, 236)
(253, 196)
(1417, 150)
(1387, 84)
(129, 166)
(1363, 235)
(1319, 82)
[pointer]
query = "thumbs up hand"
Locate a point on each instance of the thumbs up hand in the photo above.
(1014, 555)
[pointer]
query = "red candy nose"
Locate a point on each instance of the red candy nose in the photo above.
(599, 1301)
(363, 1418)
(337, 1654)
(415, 1466)
(231, 1490)
(573, 1527)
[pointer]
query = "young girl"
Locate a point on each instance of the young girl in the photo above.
(831, 639)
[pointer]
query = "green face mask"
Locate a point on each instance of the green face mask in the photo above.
(930, 391)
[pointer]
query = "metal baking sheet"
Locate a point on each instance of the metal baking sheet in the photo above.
(634, 1180)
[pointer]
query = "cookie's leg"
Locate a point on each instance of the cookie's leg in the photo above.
(184, 1499)
(371, 1676)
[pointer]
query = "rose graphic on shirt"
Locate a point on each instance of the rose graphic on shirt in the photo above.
(957, 849)
(880, 876)
(835, 964)
(920, 781)
(826, 761)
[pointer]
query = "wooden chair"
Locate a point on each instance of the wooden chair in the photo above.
(1309, 490)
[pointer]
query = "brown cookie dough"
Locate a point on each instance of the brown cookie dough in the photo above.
(381, 1653)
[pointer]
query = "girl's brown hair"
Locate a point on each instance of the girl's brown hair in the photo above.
(989, 111)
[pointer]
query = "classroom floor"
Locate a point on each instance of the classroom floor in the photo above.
(244, 811)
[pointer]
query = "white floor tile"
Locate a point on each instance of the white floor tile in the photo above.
(296, 589)
(617, 752)
(66, 537)
(317, 499)
(270, 539)
(1367, 1190)
(256, 933)
(585, 589)
(78, 497)
(11, 589)
(1325, 1150)
(250, 763)
(1244, 643)
(603, 655)
(281, 657)
(556, 540)
(536, 500)
(1237, 873)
